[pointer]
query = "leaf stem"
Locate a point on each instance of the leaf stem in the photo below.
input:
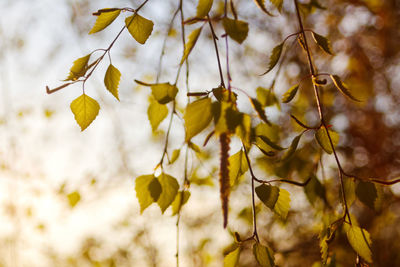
(215, 38)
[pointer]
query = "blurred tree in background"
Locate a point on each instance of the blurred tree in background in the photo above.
(62, 186)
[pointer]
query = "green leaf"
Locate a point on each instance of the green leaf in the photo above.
(366, 192)
(278, 4)
(139, 27)
(264, 255)
(78, 69)
(259, 109)
(85, 110)
(275, 198)
(175, 155)
(178, 203)
(236, 29)
(156, 113)
(232, 258)
(270, 143)
(203, 7)
(293, 146)
(197, 117)
(142, 191)
(322, 42)
(323, 139)
(164, 92)
(360, 241)
(349, 190)
(169, 190)
(290, 94)
(155, 189)
(274, 58)
(261, 5)
(111, 80)
(73, 198)
(342, 87)
(192, 39)
(237, 166)
(104, 20)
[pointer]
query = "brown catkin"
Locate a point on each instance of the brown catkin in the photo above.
(224, 182)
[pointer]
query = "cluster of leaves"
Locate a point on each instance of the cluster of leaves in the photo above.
(217, 112)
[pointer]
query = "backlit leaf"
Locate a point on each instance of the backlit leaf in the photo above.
(203, 7)
(175, 155)
(264, 255)
(236, 29)
(259, 109)
(232, 258)
(293, 146)
(243, 131)
(277, 3)
(323, 139)
(156, 113)
(178, 203)
(103, 20)
(290, 94)
(366, 192)
(274, 58)
(85, 110)
(349, 190)
(275, 198)
(111, 80)
(270, 143)
(192, 39)
(261, 5)
(197, 117)
(169, 190)
(237, 166)
(322, 42)
(360, 241)
(78, 69)
(342, 87)
(314, 190)
(155, 189)
(164, 92)
(323, 245)
(73, 198)
(266, 97)
(142, 191)
(139, 27)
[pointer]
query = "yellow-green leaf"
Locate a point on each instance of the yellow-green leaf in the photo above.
(323, 245)
(192, 39)
(360, 241)
(237, 166)
(236, 29)
(73, 198)
(79, 68)
(203, 7)
(267, 141)
(274, 58)
(155, 189)
(259, 109)
(178, 203)
(277, 3)
(264, 255)
(103, 20)
(139, 27)
(275, 198)
(366, 192)
(293, 146)
(170, 188)
(175, 155)
(322, 42)
(261, 5)
(85, 110)
(323, 139)
(266, 97)
(111, 80)
(342, 87)
(197, 117)
(232, 258)
(349, 190)
(156, 113)
(164, 92)
(290, 94)
(142, 191)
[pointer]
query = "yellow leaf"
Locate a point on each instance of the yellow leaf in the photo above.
(111, 80)
(360, 241)
(232, 258)
(85, 110)
(192, 39)
(175, 155)
(139, 27)
(197, 117)
(78, 69)
(156, 113)
(264, 255)
(164, 92)
(169, 190)
(290, 94)
(261, 5)
(103, 20)
(323, 139)
(178, 202)
(236, 29)
(142, 191)
(73, 198)
(342, 87)
(203, 7)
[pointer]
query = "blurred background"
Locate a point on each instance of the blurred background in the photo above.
(67, 197)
